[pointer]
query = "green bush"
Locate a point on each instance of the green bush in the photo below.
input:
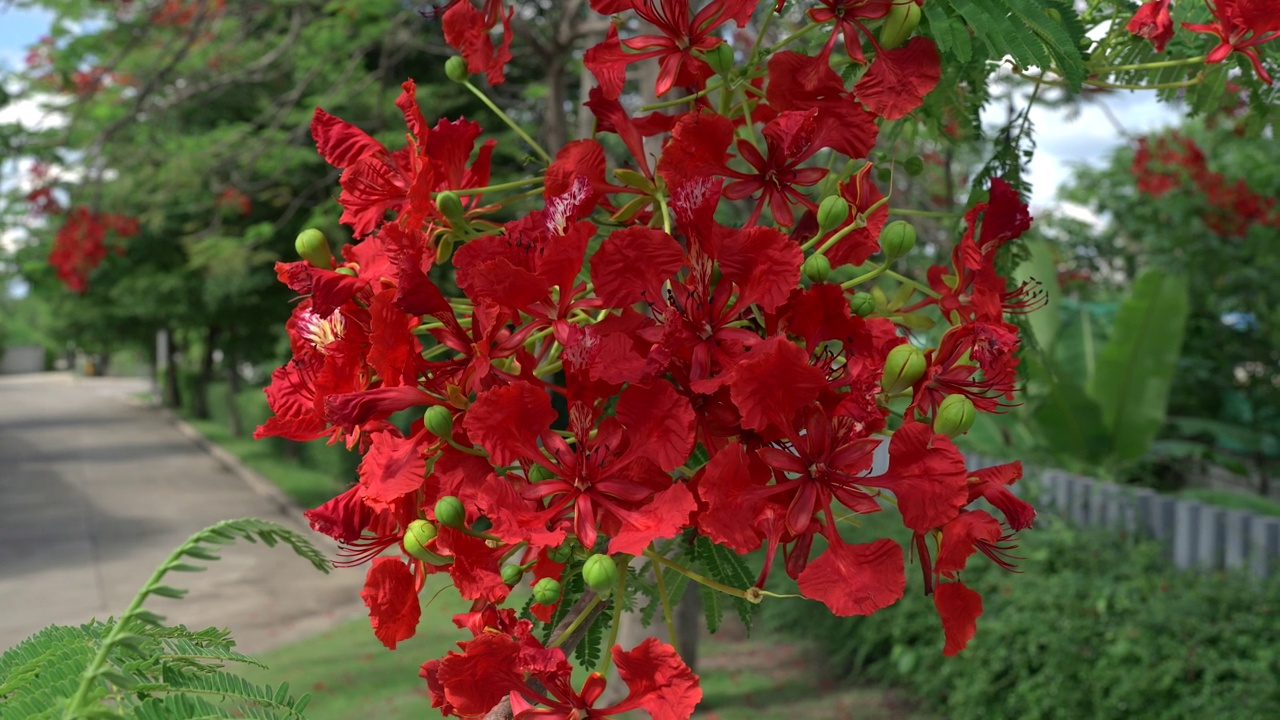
(1097, 626)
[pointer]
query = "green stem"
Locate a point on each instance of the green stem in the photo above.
(666, 601)
(755, 47)
(500, 186)
(506, 119)
(924, 213)
(748, 595)
(908, 281)
(618, 594)
(1154, 65)
(680, 100)
(874, 273)
(794, 36)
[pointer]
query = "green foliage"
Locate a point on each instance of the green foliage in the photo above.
(1096, 627)
(136, 667)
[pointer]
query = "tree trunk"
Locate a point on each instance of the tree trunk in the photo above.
(555, 125)
(235, 422)
(172, 395)
(200, 401)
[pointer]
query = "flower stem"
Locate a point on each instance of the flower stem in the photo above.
(917, 285)
(507, 119)
(794, 36)
(577, 622)
(666, 601)
(751, 597)
(500, 186)
(1155, 65)
(618, 594)
(875, 272)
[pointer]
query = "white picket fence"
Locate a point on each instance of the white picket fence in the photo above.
(1195, 534)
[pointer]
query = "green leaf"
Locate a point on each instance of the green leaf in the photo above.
(1070, 423)
(1135, 368)
(1046, 321)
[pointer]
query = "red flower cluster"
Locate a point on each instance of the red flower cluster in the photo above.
(1174, 161)
(624, 367)
(80, 244)
(1239, 25)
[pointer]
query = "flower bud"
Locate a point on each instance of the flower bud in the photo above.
(511, 574)
(955, 415)
(816, 267)
(313, 247)
(898, 25)
(862, 304)
(600, 573)
(546, 591)
(450, 206)
(897, 239)
(417, 539)
(914, 165)
(884, 173)
(720, 58)
(455, 68)
(450, 513)
(904, 365)
(537, 473)
(832, 212)
(439, 421)
(560, 553)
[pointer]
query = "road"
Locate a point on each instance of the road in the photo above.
(96, 490)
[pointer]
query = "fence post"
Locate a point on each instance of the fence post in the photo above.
(1265, 544)
(1237, 528)
(1209, 553)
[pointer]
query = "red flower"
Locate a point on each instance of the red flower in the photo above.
(1241, 26)
(856, 579)
(959, 607)
(681, 37)
(898, 79)
(467, 30)
(1152, 22)
(791, 138)
(848, 16)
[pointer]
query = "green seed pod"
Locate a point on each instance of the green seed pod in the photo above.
(884, 173)
(897, 239)
(914, 165)
(537, 473)
(720, 58)
(417, 539)
(511, 574)
(560, 553)
(600, 573)
(455, 68)
(904, 365)
(832, 212)
(862, 304)
(313, 247)
(817, 268)
(450, 513)
(955, 415)
(450, 206)
(898, 25)
(439, 421)
(546, 591)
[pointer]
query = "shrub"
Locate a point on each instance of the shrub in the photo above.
(1098, 627)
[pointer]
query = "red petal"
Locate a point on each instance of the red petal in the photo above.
(633, 263)
(898, 80)
(856, 579)
(394, 352)
(772, 382)
(506, 421)
(341, 143)
(927, 476)
(960, 539)
(392, 468)
(661, 684)
(480, 678)
(659, 422)
(763, 263)
(393, 605)
(662, 517)
(959, 607)
(725, 485)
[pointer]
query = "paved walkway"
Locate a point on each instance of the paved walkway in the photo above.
(95, 490)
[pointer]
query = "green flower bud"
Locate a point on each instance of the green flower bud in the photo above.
(955, 415)
(904, 365)
(862, 304)
(832, 212)
(914, 165)
(417, 539)
(816, 268)
(450, 206)
(444, 249)
(511, 574)
(351, 272)
(560, 553)
(455, 68)
(546, 591)
(313, 247)
(600, 573)
(537, 473)
(898, 25)
(720, 58)
(450, 513)
(897, 239)
(884, 173)
(439, 421)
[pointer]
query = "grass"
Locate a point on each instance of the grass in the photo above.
(307, 486)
